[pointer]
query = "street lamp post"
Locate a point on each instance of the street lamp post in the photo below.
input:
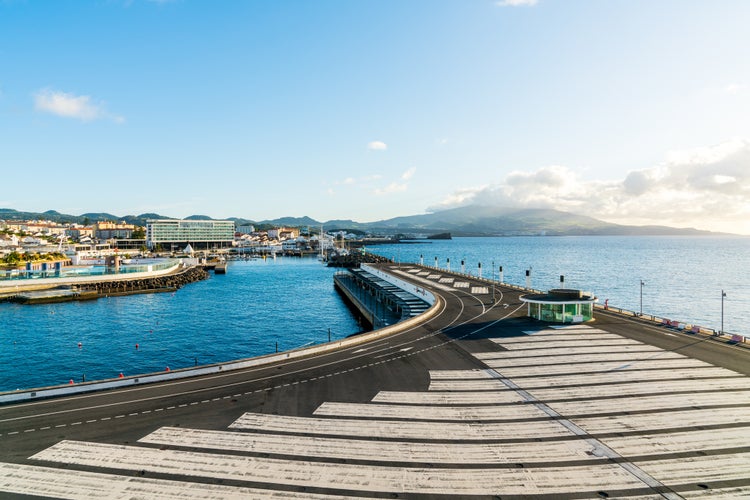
(493, 281)
(642, 283)
(723, 294)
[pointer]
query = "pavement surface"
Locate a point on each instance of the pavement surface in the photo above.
(477, 402)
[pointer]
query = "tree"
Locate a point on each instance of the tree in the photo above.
(13, 258)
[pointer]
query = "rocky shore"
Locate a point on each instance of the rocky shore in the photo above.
(167, 282)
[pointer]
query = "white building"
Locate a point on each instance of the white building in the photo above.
(200, 234)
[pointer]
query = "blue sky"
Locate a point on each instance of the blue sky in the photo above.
(632, 111)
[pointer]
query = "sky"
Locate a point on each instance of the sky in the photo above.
(629, 111)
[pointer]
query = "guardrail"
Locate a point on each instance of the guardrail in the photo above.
(657, 320)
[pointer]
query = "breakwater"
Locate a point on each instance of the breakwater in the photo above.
(111, 288)
(356, 259)
(166, 282)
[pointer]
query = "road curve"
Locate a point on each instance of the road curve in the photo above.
(476, 402)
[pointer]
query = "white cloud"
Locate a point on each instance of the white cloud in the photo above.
(393, 187)
(409, 173)
(377, 146)
(72, 106)
(397, 186)
(517, 3)
(734, 88)
(706, 188)
(352, 181)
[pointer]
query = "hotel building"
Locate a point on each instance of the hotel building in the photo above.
(172, 234)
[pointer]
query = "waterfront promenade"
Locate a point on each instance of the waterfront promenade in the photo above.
(477, 401)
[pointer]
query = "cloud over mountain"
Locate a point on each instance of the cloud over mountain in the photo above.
(706, 187)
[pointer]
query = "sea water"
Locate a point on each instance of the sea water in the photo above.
(261, 305)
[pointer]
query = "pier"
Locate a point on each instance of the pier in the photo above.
(377, 299)
(470, 399)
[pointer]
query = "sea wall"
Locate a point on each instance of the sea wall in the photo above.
(170, 281)
(91, 288)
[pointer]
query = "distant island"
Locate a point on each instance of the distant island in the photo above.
(473, 220)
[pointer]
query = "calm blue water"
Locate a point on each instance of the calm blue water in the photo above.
(240, 314)
(684, 275)
(292, 301)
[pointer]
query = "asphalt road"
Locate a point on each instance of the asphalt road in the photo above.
(468, 325)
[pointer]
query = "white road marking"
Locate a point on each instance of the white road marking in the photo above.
(455, 481)
(458, 374)
(499, 360)
(573, 343)
(447, 398)
(405, 429)
(589, 378)
(377, 451)
(617, 366)
(420, 412)
(680, 442)
(645, 388)
(80, 485)
(664, 420)
(654, 402)
(574, 352)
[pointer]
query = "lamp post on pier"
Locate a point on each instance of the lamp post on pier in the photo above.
(642, 283)
(493, 281)
(723, 294)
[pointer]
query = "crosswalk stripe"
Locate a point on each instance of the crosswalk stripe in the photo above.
(366, 478)
(396, 429)
(80, 485)
(375, 451)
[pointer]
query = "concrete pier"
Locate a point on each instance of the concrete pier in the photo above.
(379, 302)
(472, 400)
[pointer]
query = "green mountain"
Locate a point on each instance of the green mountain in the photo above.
(474, 220)
(292, 221)
(481, 220)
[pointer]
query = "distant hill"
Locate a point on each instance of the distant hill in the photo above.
(474, 220)
(481, 220)
(54, 216)
(292, 221)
